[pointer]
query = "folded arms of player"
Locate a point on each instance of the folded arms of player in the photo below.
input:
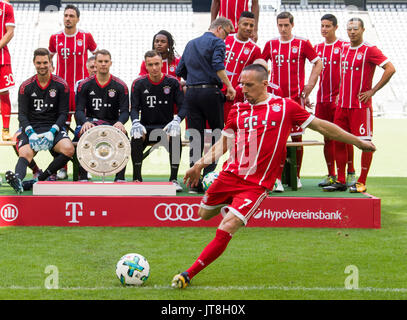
(334, 132)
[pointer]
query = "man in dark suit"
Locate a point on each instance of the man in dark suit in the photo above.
(202, 66)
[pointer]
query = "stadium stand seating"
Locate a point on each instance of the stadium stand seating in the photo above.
(127, 29)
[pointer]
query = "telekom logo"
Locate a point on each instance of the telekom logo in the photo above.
(73, 210)
(9, 212)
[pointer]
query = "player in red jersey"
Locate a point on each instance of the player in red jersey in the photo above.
(232, 9)
(330, 53)
(288, 54)
(354, 113)
(265, 122)
(71, 47)
(271, 88)
(6, 75)
(163, 43)
(241, 51)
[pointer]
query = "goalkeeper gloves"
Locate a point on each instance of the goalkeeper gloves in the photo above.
(173, 128)
(47, 138)
(137, 129)
(33, 138)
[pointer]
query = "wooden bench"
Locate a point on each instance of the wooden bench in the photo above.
(290, 167)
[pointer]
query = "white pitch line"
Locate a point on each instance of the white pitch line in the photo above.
(221, 288)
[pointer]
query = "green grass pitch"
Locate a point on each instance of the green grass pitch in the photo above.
(259, 263)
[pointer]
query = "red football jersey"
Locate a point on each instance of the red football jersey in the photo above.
(232, 9)
(166, 69)
(288, 63)
(271, 88)
(330, 77)
(357, 69)
(72, 54)
(7, 19)
(260, 135)
(238, 55)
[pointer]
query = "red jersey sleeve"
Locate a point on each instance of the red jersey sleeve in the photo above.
(231, 125)
(376, 57)
(266, 51)
(310, 52)
(92, 46)
(239, 97)
(299, 116)
(51, 47)
(143, 69)
(9, 16)
(257, 54)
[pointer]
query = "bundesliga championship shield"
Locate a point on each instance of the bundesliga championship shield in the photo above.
(103, 150)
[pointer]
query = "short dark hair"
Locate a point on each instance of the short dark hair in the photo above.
(330, 17)
(247, 14)
(263, 74)
(151, 54)
(357, 19)
(73, 7)
(286, 15)
(103, 52)
(42, 52)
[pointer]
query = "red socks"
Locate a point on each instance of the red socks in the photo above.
(5, 106)
(329, 153)
(341, 155)
(211, 252)
(366, 162)
(351, 168)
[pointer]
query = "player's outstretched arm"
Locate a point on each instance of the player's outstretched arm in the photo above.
(193, 174)
(333, 132)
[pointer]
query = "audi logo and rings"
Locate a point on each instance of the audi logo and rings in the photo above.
(177, 212)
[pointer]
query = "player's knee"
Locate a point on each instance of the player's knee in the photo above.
(231, 223)
(205, 214)
(26, 152)
(68, 150)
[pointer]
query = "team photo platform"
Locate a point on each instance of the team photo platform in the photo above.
(97, 204)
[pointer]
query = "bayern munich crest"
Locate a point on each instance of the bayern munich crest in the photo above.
(112, 93)
(167, 90)
(276, 107)
(52, 93)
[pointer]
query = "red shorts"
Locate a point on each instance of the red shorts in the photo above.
(359, 122)
(235, 195)
(325, 111)
(6, 78)
(297, 130)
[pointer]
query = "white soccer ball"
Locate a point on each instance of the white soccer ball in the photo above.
(133, 269)
(209, 179)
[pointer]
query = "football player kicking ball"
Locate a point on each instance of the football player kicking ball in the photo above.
(265, 121)
(43, 104)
